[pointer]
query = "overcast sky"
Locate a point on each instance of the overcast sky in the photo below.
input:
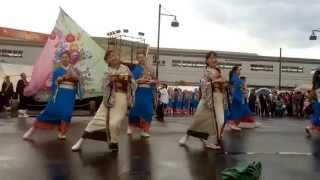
(255, 26)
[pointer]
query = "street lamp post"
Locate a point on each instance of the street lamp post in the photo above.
(174, 23)
(280, 68)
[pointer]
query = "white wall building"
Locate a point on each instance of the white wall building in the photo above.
(186, 65)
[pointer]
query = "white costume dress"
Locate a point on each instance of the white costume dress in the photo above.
(209, 116)
(118, 97)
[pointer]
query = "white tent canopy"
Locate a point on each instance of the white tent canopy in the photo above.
(14, 71)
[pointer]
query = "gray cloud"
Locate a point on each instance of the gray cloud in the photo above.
(273, 22)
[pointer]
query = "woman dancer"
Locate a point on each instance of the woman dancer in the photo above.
(140, 115)
(314, 96)
(208, 120)
(240, 114)
(58, 112)
(118, 87)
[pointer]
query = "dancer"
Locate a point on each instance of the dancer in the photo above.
(240, 114)
(245, 89)
(314, 96)
(118, 87)
(58, 112)
(140, 115)
(208, 119)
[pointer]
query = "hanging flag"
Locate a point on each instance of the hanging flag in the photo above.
(85, 55)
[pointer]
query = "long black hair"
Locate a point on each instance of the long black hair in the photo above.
(214, 54)
(233, 70)
(315, 79)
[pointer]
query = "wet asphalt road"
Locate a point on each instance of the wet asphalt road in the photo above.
(280, 145)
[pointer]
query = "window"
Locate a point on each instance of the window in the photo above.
(201, 64)
(228, 65)
(192, 64)
(10, 53)
(175, 63)
(261, 67)
(161, 63)
(292, 69)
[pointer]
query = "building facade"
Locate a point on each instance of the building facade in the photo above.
(182, 66)
(187, 65)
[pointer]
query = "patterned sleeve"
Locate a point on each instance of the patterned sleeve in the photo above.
(132, 89)
(105, 81)
(108, 91)
(206, 91)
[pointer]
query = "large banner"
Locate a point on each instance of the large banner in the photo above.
(86, 56)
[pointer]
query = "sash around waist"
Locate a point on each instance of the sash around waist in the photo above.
(66, 86)
(144, 85)
(67, 83)
(121, 86)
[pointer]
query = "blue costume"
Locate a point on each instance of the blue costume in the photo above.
(186, 101)
(58, 112)
(315, 116)
(180, 101)
(171, 102)
(194, 100)
(239, 110)
(141, 113)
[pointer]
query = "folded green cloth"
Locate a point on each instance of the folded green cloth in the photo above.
(244, 171)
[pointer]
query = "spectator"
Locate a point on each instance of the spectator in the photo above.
(252, 100)
(163, 102)
(7, 92)
(263, 104)
(175, 101)
(273, 104)
(23, 100)
(289, 104)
